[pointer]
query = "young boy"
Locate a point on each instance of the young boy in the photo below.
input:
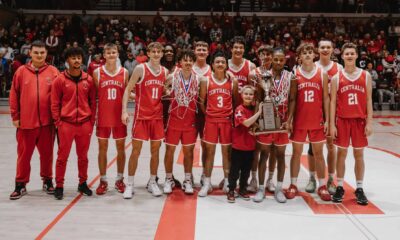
(351, 119)
(110, 81)
(243, 144)
(308, 117)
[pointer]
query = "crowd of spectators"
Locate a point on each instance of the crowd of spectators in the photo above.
(378, 39)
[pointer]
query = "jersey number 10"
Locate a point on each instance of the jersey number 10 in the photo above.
(112, 94)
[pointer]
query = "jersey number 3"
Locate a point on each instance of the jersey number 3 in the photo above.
(220, 101)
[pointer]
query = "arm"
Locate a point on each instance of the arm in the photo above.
(136, 75)
(292, 103)
(250, 121)
(368, 127)
(235, 93)
(14, 100)
(332, 115)
(203, 94)
(96, 77)
(326, 102)
(56, 98)
(92, 101)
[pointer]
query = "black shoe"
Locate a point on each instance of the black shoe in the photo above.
(48, 186)
(244, 195)
(84, 189)
(360, 196)
(59, 193)
(392, 107)
(379, 107)
(177, 183)
(338, 196)
(19, 191)
(231, 196)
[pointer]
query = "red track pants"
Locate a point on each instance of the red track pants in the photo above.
(67, 133)
(27, 139)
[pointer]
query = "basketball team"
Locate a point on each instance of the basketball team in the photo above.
(320, 103)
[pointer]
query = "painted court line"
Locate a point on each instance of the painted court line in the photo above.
(73, 202)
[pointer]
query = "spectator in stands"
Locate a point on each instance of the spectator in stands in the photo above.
(375, 78)
(25, 47)
(130, 63)
(135, 46)
(385, 88)
(142, 57)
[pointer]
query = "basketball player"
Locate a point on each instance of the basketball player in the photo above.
(325, 49)
(148, 81)
(181, 126)
(279, 93)
(351, 118)
(201, 68)
(220, 91)
(73, 107)
(308, 117)
(110, 80)
(31, 116)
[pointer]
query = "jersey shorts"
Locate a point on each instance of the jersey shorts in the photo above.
(144, 130)
(308, 135)
(217, 132)
(351, 131)
(117, 132)
(186, 137)
(278, 139)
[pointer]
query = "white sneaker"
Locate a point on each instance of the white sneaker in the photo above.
(152, 187)
(205, 189)
(225, 188)
(169, 184)
(187, 187)
(279, 196)
(128, 191)
(270, 186)
(253, 186)
(260, 195)
(311, 185)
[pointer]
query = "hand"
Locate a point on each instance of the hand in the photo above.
(326, 128)
(260, 107)
(132, 96)
(368, 130)
(16, 123)
(288, 126)
(333, 131)
(125, 118)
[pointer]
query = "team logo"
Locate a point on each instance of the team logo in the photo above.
(85, 85)
(48, 80)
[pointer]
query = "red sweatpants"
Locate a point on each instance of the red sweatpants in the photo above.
(27, 139)
(67, 133)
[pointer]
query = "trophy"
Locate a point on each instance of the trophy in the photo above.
(269, 121)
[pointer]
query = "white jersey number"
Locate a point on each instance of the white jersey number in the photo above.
(309, 96)
(112, 94)
(353, 100)
(220, 102)
(154, 93)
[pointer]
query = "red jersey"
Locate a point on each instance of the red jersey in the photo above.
(182, 111)
(242, 73)
(352, 95)
(110, 92)
(309, 102)
(241, 139)
(219, 99)
(94, 65)
(149, 90)
(206, 72)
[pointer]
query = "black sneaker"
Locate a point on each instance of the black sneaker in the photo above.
(19, 191)
(231, 196)
(244, 195)
(48, 186)
(84, 189)
(59, 193)
(361, 198)
(338, 196)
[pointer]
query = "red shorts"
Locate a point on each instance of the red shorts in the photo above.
(200, 121)
(304, 135)
(278, 139)
(117, 132)
(148, 129)
(351, 131)
(187, 137)
(217, 130)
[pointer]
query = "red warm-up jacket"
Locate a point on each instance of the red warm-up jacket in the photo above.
(30, 95)
(73, 102)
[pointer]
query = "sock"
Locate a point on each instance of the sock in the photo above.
(359, 183)
(120, 176)
(279, 185)
(103, 178)
(331, 175)
(153, 178)
(188, 176)
(207, 180)
(270, 175)
(226, 180)
(253, 174)
(312, 175)
(293, 180)
(130, 179)
(340, 182)
(321, 182)
(261, 187)
(168, 175)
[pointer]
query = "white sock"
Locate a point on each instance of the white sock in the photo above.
(293, 180)
(312, 175)
(226, 180)
(207, 180)
(153, 178)
(103, 178)
(270, 175)
(279, 185)
(261, 187)
(331, 175)
(321, 182)
(120, 176)
(168, 176)
(188, 176)
(340, 182)
(253, 174)
(130, 180)
(360, 184)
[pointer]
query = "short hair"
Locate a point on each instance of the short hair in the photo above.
(248, 87)
(238, 39)
(156, 45)
(264, 48)
(349, 45)
(200, 44)
(73, 51)
(278, 50)
(187, 54)
(305, 46)
(38, 43)
(109, 46)
(325, 40)
(218, 54)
